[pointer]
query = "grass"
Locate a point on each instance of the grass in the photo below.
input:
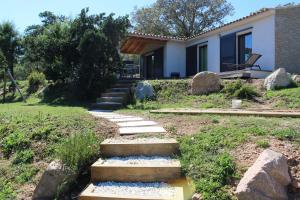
(175, 94)
(34, 132)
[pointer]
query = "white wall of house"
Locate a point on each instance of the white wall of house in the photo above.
(174, 58)
(263, 42)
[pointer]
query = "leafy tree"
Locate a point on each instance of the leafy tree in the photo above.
(181, 17)
(81, 52)
(9, 44)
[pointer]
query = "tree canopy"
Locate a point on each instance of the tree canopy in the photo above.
(80, 51)
(180, 17)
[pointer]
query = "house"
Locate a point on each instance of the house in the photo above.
(274, 33)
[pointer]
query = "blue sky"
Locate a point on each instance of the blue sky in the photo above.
(25, 12)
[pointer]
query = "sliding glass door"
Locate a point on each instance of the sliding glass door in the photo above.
(244, 47)
(203, 58)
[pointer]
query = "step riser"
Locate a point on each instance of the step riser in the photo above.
(121, 85)
(123, 95)
(111, 99)
(161, 149)
(106, 107)
(134, 174)
(127, 90)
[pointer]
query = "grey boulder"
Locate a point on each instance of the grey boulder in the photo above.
(205, 83)
(144, 90)
(266, 179)
(278, 79)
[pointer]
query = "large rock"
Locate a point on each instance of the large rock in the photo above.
(52, 181)
(144, 90)
(205, 82)
(278, 79)
(266, 179)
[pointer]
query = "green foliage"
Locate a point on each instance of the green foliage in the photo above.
(285, 98)
(35, 80)
(6, 190)
(15, 142)
(286, 134)
(81, 52)
(78, 150)
(262, 144)
(25, 173)
(180, 18)
(240, 89)
(23, 157)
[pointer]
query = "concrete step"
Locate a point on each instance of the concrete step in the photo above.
(122, 85)
(136, 124)
(135, 169)
(126, 90)
(115, 94)
(126, 119)
(111, 99)
(139, 146)
(141, 129)
(107, 105)
(131, 191)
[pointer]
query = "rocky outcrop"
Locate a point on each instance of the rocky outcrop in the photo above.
(52, 181)
(205, 83)
(266, 179)
(278, 79)
(144, 90)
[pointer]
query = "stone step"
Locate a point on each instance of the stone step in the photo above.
(139, 146)
(111, 99)
(115, 94)
(136, 123)
(107, 105)
(126, 90)
(122, 85)
(141, 129)
(131, 191)
(126, 119)
(135, 169)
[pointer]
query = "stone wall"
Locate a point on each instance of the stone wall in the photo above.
(287, 37)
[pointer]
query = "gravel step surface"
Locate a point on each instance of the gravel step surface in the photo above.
(146, 190)
(150, 140)
(140, 161)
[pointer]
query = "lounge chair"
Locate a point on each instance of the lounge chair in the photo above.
(250, 63)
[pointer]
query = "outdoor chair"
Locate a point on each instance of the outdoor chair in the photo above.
(250, 63)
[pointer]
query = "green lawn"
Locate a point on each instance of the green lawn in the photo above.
(32, 133)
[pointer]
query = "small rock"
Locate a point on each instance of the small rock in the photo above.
(278, 79)
(205, 83)
(296, 78)
(296, 184)
(52, 180)
(197, 196)
(144, 90)
(266, 179)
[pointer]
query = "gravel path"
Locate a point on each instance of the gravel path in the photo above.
(149, 190)
(141, 160)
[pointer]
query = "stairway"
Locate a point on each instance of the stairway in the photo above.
(136, 169)
(116, 97)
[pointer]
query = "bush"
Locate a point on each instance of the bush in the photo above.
(6, 190)
(14, 142)
(25, 173)
(263, 144)
(23, 157)
(78, 150)
(240, 90)
(35, 80)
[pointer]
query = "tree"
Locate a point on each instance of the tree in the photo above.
(3, 68)
(9, 44)
(180, 17)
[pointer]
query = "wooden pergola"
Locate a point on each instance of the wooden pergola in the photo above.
(137, 44)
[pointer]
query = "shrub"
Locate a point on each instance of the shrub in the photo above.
(287, 133)
(240, 90)
(6, 190)
(14, 142)
(25, 173)
(23, 157)
(35, 80)
(78, 150)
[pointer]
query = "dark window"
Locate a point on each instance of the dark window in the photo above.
(191, 60)
(203, 58)
(245, 47)
(227, 51)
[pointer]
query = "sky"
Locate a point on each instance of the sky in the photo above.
(25, 12)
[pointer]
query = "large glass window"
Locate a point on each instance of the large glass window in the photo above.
(245, 47)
